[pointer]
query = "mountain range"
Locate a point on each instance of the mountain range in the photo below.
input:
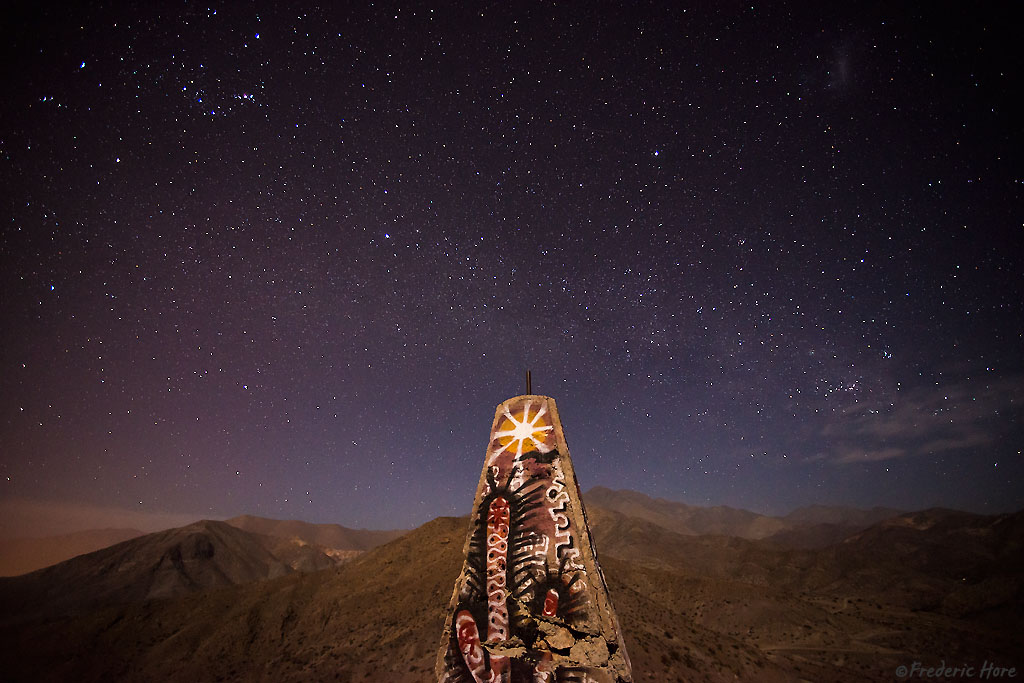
(212, 601)
(23, 555)
(811, 526)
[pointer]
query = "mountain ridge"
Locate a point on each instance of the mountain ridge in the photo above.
(714, 608)
(811, 526)
(328, 535)
(808, 526)
(23, 555)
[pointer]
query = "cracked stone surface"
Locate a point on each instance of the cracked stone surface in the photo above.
(558, 637)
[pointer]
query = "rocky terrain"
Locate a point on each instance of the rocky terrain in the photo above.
(922, 586)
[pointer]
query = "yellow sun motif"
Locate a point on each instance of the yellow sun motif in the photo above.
(518, 432)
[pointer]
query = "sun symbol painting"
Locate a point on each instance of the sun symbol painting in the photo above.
(516, 432)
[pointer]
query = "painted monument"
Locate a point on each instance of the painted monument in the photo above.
(531, 605)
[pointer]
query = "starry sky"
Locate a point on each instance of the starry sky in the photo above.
(285, 260)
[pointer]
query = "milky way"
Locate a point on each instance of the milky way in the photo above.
(285, 261)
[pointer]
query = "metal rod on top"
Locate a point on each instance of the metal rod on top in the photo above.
(529, 384)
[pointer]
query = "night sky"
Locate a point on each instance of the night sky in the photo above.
(282, 260)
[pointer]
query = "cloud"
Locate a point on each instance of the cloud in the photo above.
(846, 453)
(931, 420)
(24, 518)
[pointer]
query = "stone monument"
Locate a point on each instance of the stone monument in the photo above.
(530, 605)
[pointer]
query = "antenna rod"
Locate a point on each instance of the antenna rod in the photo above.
(529, 384)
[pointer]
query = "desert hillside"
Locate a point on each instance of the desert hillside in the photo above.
(692, 608)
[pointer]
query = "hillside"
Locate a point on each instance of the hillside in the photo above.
(381, 612)
(332, 536)
(813, 526)
(165, 564)
(840, 515)
(691, 608)
(810, 526)
(301, 545)
(686, 519)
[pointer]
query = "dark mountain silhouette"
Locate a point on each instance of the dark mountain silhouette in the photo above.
(377, 618)
(165, 564)
(813, 535)
(813, 526)
(686, 519)
(818, 526)
(301, 545)
(840, 514)
(23, 555)
(940, 560)
(916, 587)
(332, 536)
